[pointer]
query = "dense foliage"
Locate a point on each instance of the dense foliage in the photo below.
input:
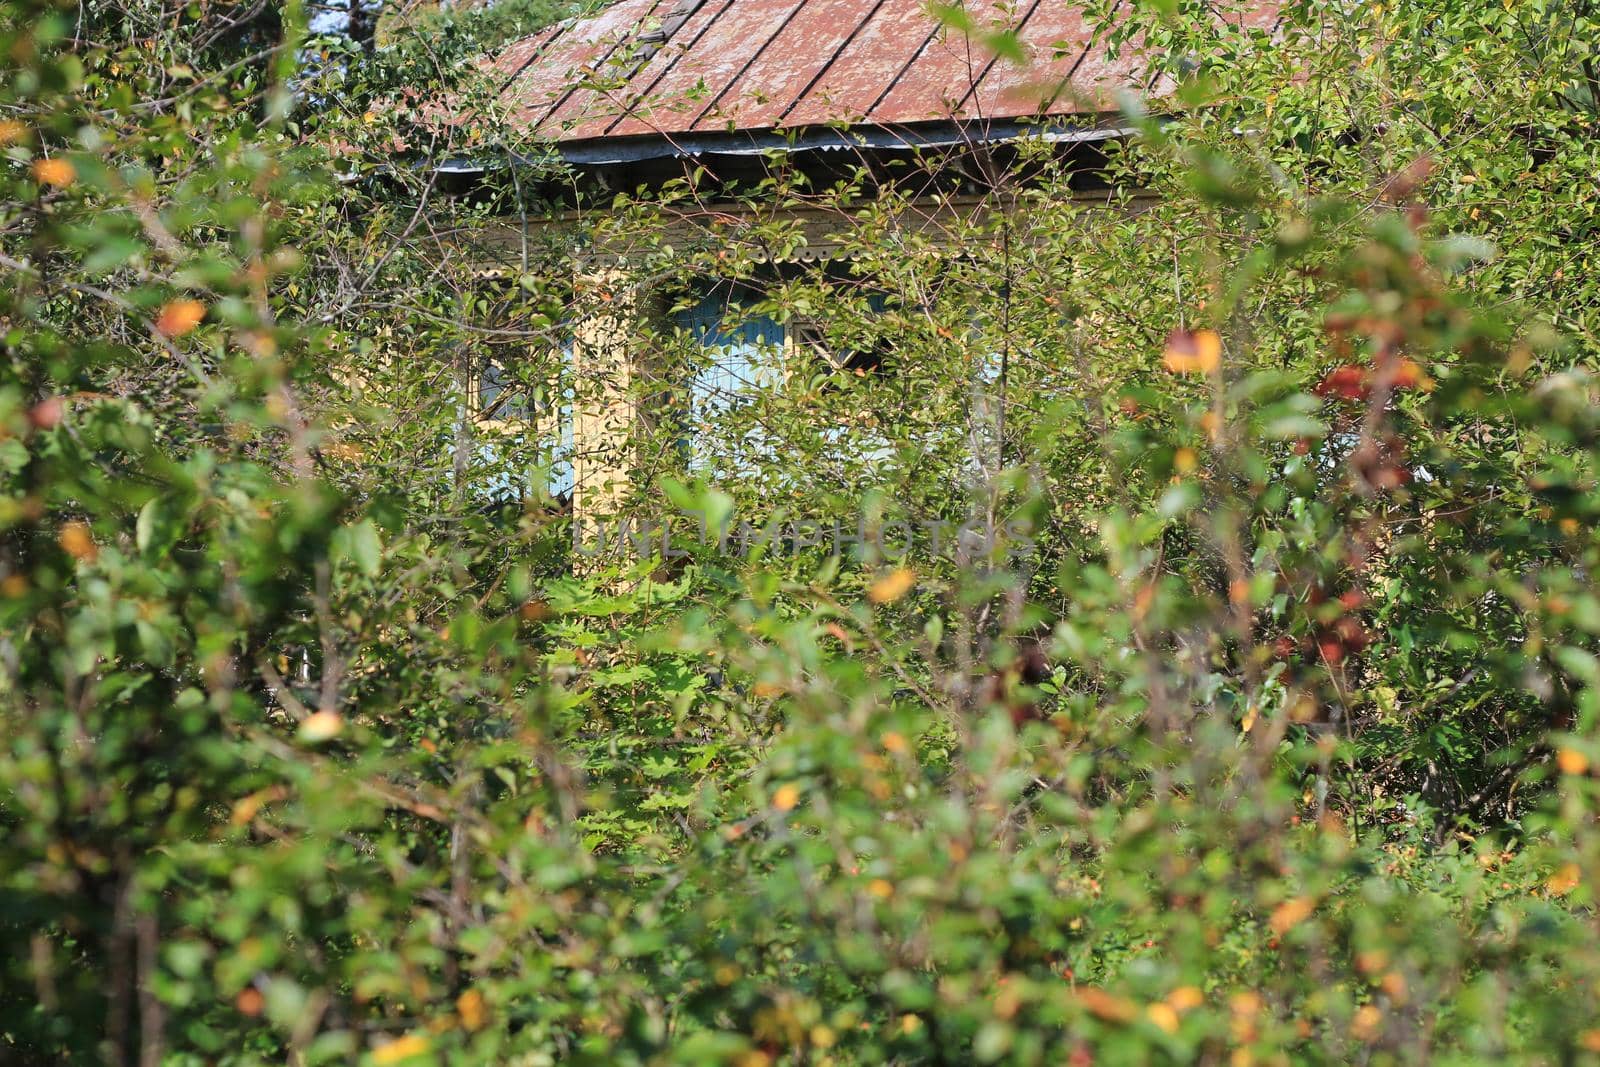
(1234, 699)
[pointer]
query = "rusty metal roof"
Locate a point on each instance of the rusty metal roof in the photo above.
(678, 71)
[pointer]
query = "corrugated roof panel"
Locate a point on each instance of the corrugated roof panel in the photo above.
(559, 68)
(884, 43)
(648, 110)
(1055, 39)
(759, 65)
(515, 59)
(741, 39)
(944, 70)
(618, 63)
(781, 74)
(737, 34)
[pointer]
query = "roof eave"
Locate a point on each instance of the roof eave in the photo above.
(612, 150)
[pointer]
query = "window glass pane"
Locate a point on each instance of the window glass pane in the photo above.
(528, 422)
(738, 344)
(740, 355)
(562, 476)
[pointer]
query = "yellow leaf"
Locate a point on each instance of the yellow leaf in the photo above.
(401, 1049)
(321, 726)
(1185, 998)
(787, 796)
(1564, 880)
(1163, 1016)
(1291, 913)
(892, 586)
(880, 888)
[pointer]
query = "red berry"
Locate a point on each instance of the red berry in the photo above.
(47, 413)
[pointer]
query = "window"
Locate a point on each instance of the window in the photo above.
(743, 350)
(740, 346)
(861, 359)
(501, 398)
(524, 410)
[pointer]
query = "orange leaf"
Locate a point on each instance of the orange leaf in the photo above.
(1199, 352)
(1291, 913)
(787, 796)
(246, 807)
(57, 172)
(77, 542)
(473, 1012)
(250, 1001)
(180, 316)
(321, 726)
(1409, 375)
(1108, 1006)
(1348, 382)
(47, 413)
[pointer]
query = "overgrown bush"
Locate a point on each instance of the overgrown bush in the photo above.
(1253, 719)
